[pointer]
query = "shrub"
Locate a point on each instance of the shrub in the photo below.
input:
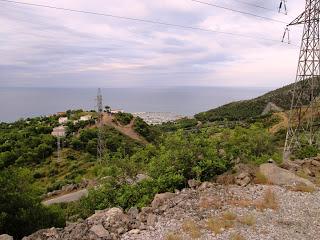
(191, 228)
(124, 118)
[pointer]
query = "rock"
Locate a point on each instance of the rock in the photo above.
(133, 212)
(134, 231)
(205, 185)
(290, 165)
(315, 163)
(100, 231)
(161, 198)
(151, 219)
(243, 179)
(194, 183)
(279, 176)
(141, 177)
(5, 237)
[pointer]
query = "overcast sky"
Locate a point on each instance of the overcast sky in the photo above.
(42, 47)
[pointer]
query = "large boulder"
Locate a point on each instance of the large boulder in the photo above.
(279, 176)
(5, 237)
(161, 198)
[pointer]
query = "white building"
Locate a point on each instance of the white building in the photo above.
(114, 111)
(63, 120)
(59, 131)
(85, 118)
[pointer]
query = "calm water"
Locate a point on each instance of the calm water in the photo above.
(18, 103)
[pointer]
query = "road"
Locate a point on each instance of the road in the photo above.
(70, 197)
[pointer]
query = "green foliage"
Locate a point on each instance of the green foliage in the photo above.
(306, 151)
(184, 123)
(247, 109)
(146, 131)
(250, 145)
(21, 212)
(124, 118)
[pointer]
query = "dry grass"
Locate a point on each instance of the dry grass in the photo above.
(303, 188)
(173, 236)
(237, 236)
(218, 225)
(260, 178)
(269, 200)
(209, 202)
(249, 220)
(302, 174)
(229, 216)
(191, 228)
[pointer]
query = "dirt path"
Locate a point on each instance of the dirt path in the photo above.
(282, 124)
(126, 130)
(70, 197)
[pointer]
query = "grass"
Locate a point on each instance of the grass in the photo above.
(269, 200)
(260, 178)
(218, 225)
(237, 236)
(229, 216)
(249, 220)
(303, 188)
(302, 174)
(191, 228)
(173, 236)
(209, 202)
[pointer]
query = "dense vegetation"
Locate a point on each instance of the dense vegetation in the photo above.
(242, 110)
(175, 152)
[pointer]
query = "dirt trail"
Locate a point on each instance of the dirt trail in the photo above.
(284, 121)
(126, 130)
(70, 197)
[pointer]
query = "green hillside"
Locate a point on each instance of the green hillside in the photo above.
(252, 108)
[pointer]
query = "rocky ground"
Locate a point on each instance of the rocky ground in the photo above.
(211, 211)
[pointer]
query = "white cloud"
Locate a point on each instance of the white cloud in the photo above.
(41, 43)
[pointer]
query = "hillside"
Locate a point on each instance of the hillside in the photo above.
(252, 108)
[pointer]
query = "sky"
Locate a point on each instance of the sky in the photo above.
(42, 47)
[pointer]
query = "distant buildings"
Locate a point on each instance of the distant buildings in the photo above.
(63, 120)
(59, 131)
(115, 111)
(85, 118)
(155, 118)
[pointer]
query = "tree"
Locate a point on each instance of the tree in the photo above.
(21, 212)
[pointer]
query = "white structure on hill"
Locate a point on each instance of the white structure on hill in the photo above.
(115, 111)
(59, 131)
(85, 118)
(63, 120)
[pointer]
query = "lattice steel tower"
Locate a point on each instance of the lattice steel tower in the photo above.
(100, 143)
(303, 129)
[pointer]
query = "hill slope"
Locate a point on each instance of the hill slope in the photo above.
(252, 108)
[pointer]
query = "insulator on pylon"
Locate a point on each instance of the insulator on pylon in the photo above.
(286, 33)
(283, 7)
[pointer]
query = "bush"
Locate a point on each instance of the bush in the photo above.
(124, 118)
(21, 212)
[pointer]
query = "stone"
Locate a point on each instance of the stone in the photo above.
(133, 212)
(141, 177)
(151, 219)
(279, 176)
(134, 231)
(100, 231)
(315, 163)
(5, 237)
(161, 198)
(243, 179)
(194, 183)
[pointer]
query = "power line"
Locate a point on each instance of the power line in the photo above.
(142, 20)
(256, 5)
(238, 11)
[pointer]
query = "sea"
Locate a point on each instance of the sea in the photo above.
(18, 103)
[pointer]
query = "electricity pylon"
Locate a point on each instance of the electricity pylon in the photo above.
(100, 143)
(303, 128)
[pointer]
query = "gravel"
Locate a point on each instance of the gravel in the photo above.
(297, 217)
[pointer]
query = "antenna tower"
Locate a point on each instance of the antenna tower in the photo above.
(303, 129)
(100, 144)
